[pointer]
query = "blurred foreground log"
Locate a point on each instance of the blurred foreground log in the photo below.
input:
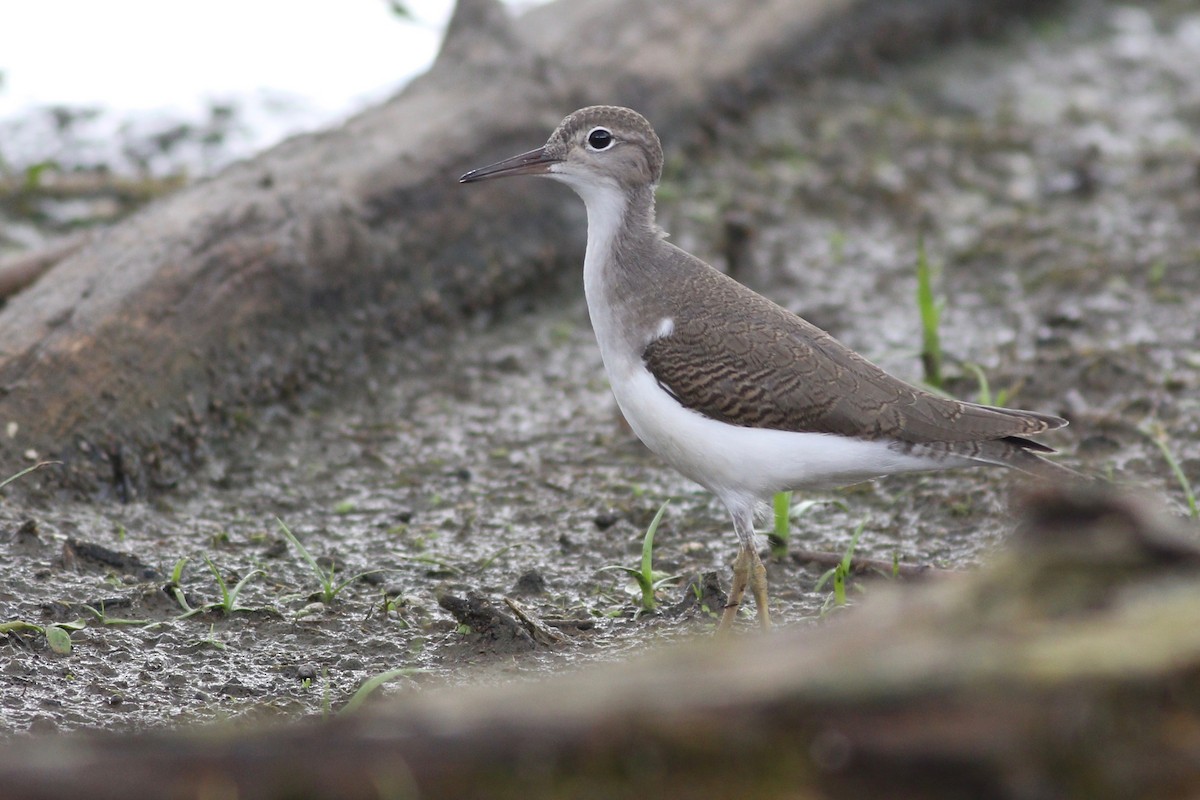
(296, 268)
(1068, 668)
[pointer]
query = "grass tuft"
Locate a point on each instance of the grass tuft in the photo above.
(330, 587)
(228, 604)
(647, 578)
(840, 572)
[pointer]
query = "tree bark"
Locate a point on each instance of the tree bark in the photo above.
(132, 356)
(1068, 668)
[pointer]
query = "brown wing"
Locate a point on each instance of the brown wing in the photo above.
(765, 367)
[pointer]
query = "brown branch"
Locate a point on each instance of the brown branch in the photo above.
(20, 271)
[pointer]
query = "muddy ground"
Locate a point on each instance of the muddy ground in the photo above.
(1055, 176)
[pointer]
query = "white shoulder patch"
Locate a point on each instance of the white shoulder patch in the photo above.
(666, 326)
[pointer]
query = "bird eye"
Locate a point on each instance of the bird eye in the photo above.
(600, 139)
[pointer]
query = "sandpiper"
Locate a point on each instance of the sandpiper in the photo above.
(735, 392)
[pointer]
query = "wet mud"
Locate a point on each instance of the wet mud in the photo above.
(465, 502)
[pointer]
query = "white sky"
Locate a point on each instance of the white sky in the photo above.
(130, 55)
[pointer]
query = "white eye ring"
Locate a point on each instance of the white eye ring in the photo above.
(599, 138)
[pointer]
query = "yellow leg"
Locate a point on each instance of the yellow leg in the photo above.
(748, 568)
(742, 567)
(758, 586)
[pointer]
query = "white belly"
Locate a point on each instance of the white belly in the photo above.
(737, 462)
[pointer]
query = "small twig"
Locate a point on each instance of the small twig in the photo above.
(541, 633)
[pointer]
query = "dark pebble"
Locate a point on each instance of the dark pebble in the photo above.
(605, 520)
(275, 549)
(530, 582)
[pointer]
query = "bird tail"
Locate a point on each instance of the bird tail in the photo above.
(1014, 452)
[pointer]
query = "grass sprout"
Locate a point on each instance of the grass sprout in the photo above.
(229, 596)
(228, 604)
(781, 506)
(1156, 433)
(931, 313)
(330, 588)
(985, 396)
(840, 572)
(104, 619)
(58, 635)
(369, 686)
(211, 640)
(785, 514)
(26, 471)
(648, 579)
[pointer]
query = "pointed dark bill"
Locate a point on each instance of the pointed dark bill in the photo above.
(535, 162)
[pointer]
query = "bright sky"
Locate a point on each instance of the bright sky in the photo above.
(175, 55)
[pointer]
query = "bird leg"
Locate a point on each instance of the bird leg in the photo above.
(741, 576)
(748, 569)
(758, 586)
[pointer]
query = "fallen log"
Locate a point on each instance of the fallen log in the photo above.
(128, 359)
(20, 271)
(1066, 668)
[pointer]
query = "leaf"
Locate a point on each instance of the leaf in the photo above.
(59, 640)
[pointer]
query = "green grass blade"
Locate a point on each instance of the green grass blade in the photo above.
(374, 682)
(646, 579)
(237, 589)
(220, 582)
(931, 345)
(781, 503)
(1157, 434)
(26, 471)
(307, 556)
(985, 390)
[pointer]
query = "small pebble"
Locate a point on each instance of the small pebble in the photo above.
(530, 582)
(605, 520)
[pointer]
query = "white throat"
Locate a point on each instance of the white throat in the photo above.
(606, 206)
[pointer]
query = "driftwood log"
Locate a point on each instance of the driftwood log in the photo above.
(1068, 668)
(131, 356)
